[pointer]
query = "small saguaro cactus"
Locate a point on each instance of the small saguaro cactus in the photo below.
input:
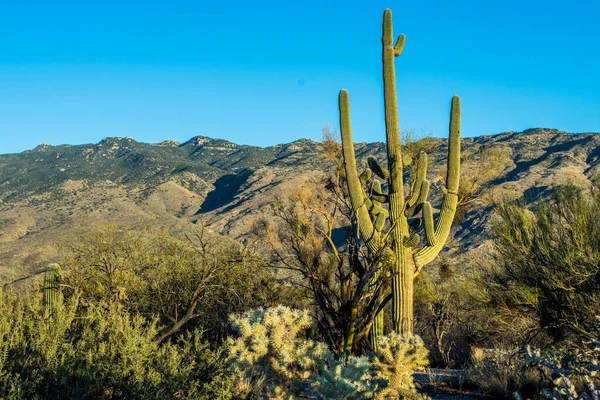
(399, 247)
(51, 289)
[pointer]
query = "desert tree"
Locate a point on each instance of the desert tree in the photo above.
(548, 260)
(313, 237)
(193, 278)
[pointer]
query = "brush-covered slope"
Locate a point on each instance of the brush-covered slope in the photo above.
(53, 192)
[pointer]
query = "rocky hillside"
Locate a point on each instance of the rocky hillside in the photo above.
(51, 193)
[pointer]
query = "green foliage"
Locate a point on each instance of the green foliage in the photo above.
(570, 373)
(573, 377)
(98, 352)
(549, 260)
(451, 314)
(499, 373)
(196, 280)
(480, 166)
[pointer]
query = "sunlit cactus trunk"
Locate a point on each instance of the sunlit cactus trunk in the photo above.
(398, 249)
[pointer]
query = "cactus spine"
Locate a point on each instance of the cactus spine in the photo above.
(398, 247)
(51, 289)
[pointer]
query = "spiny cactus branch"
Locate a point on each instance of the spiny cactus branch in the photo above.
(355, 190)
(413, 210)
(428, 224)
(418, 179)
(380, 172)
(450, 200)
(399, 47)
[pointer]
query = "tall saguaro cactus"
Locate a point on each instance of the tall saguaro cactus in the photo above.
(400, 243)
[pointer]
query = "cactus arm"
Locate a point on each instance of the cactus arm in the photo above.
(413, 210)
(365, 176)
(419, 178)
(356, 192)
(442, 229)
(392, 126)
(412, 240)
(453, 171)
(379, 213)
(428, 224)
(377, 194)
(380, 219)
(399, 47)
(380, 172)
(379, 197)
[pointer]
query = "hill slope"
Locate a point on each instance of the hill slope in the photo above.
(52, 192)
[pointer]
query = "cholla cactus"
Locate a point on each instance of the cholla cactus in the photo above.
(268, 357)
(269, 360)
(398, 356)
(345, 380)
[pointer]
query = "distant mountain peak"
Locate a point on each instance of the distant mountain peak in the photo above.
(168, 143)
(540, 130)
(199, 140)
(42, 146)
(113, 139)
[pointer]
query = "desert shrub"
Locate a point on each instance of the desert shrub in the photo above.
(499, 373)
(480, 167)
(569, 373)
(451, 315)
(195, 280)
(101, 352)
(549, 261)
(312, 239)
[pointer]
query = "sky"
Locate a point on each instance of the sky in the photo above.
(269, 72)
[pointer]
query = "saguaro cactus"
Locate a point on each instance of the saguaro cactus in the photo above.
(400, 243)
(51, 289)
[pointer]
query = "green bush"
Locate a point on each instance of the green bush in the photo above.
(195, 280)
(549, 260)
(266, 356)
(101, 352)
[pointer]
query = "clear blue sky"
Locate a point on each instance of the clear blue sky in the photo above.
(267, 72)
